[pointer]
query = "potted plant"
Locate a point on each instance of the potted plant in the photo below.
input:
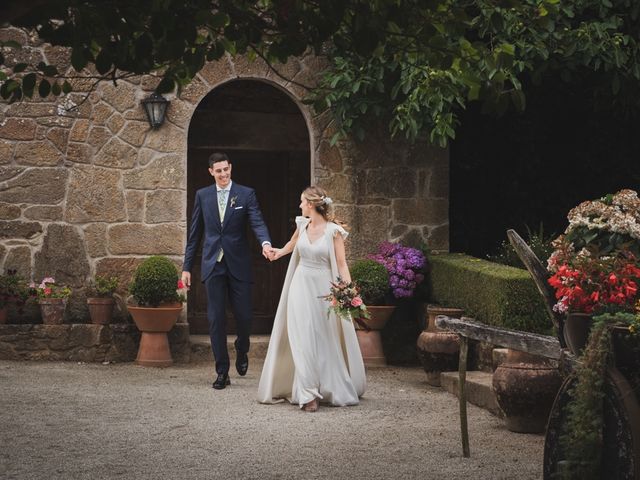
(52, 299)
(404, 268)
(100, 299)
(13, 291)
(158, 303)
(372, 280)
(373, 283)
(595, 271)
(595, 265)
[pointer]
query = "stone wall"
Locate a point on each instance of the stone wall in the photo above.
(86, 187)
(84, 342)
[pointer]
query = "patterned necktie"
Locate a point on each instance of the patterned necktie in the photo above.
(222, 206)
(222, 202)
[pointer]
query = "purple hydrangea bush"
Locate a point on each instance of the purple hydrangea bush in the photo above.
(405, 266)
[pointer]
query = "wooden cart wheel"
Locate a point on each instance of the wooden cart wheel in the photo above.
(621, 449)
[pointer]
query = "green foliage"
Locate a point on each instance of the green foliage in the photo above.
(103, 286)
(411, 63)
(13, 289)
(581, 440)
(155, 281)
(491, 293)
(539, 243)
(415, 64)
(48, 288)
(372, 280)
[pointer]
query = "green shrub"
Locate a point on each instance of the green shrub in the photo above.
(372, 279)
(13, 289)
(489, 292)
(539, 243)
(154, 282)
(103, 287)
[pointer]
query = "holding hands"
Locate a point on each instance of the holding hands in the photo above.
(267, 249)
(271, 253)
(276, 253)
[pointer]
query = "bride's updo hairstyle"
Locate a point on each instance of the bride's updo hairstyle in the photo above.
(321, 201)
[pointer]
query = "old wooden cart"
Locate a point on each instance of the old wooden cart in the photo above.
(621, 432)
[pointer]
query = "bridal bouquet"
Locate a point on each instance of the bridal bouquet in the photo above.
(345, 300)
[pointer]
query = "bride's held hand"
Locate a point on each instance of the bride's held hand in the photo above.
(275, 254)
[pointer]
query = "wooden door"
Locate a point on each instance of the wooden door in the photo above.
(278, 179)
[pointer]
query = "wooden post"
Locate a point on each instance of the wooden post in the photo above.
(462, 395)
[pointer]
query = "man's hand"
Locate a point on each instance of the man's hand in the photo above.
(186, 279)
(276, 253)
(266, 251)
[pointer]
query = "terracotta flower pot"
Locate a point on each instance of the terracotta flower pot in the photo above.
(437, 348)
(155, 323)
(369, 340)
(576, 331)
(100, 309)
(525, 387)
(434, 310)
(52, 310)
(438, 352)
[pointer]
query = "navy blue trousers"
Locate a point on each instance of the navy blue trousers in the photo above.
(221, 285)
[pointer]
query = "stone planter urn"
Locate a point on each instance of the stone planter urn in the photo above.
(154, 323)
(100, 309)
(437, 348)
(52, 310)
(369, 340)
(525, 387)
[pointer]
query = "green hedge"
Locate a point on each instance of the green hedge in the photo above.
(489, 292)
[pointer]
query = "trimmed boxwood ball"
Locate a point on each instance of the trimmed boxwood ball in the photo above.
(155, 281)
(372, 279)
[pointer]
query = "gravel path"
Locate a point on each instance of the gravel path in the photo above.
(121, 421)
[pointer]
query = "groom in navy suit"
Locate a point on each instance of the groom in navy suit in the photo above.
(220, 216)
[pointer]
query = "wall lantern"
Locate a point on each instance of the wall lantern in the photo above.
(156, 106)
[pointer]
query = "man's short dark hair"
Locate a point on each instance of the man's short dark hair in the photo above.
(216, 157)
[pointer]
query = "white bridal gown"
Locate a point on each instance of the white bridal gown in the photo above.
(312, 353)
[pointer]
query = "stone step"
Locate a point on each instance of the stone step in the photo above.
(479, 390)
(201, 348)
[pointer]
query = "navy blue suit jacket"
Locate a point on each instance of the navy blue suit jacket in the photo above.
(230, 235)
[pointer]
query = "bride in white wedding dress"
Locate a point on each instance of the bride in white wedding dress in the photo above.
(313, 354)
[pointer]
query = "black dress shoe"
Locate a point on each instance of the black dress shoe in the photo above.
(242, 363)
(222, 381)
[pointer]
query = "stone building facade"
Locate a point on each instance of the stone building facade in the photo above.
(86, 187)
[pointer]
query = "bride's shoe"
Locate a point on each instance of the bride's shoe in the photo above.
(312, 406)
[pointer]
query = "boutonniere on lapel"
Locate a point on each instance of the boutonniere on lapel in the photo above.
(232, 202)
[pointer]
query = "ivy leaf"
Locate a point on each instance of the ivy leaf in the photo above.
(20, 67)
(7, 88)
(45, 88)
(55, 89)
(49, 70)
(66, 87)
(78, 58)
(219, 20)
(104, 61)
(11, 44)
(166, 85)
(28, 84)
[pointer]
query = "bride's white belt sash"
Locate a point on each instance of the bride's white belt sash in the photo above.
(315, 265)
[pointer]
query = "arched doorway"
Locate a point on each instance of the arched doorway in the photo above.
(266, 137)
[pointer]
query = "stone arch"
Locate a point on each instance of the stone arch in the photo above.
(264, 132)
